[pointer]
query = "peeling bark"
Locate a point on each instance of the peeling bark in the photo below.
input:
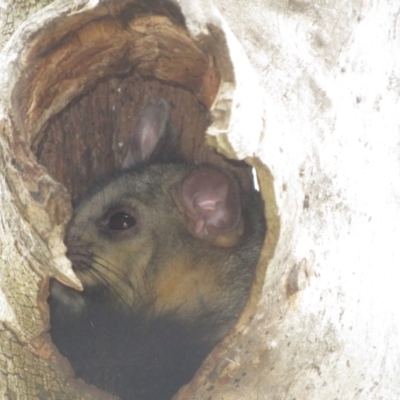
(309, 89)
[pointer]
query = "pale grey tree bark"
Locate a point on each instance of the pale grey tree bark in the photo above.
(327, 325)
(312, 103)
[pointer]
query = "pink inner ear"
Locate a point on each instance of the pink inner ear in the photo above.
(212, 201)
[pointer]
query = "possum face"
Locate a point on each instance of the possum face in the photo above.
(163, 237)
(156, 238)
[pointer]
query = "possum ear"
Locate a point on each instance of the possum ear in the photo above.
(211, 200)
(147, 133)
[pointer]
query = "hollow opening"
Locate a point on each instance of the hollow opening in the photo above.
(88, 139)
(92, 73)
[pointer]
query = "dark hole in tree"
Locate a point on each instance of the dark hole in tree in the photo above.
(87, 139)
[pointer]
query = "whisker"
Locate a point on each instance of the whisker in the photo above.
(101, 279)
(116, 270)
(100, 270)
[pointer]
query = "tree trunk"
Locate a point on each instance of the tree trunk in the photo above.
(306, 92)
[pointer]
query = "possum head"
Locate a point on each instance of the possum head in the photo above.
(157, 236)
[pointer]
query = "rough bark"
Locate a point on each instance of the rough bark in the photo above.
(327, 324)
(308, 89)
(13, 13)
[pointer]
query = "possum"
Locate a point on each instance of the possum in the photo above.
(166, 252)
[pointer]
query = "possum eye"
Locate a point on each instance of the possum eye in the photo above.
(121, 221)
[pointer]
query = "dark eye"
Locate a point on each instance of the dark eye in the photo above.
(121, 221)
